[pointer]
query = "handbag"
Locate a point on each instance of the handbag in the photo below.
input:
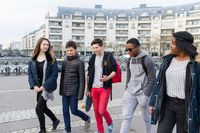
(88, 103)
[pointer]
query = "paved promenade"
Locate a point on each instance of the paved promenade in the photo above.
(17, 109)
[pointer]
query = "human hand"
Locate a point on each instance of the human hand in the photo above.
(151, 109)
(88, 93)
(104, 78)
(36, 89)
(41, 88)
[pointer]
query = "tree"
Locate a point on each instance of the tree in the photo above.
(155, 46)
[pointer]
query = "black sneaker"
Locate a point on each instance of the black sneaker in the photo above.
(55, 124)
(42, 131)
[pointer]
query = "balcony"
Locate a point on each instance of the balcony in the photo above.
(189, 25)
(78, 25)
(144, 26)
(100, 26)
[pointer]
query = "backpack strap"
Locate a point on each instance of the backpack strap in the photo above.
(143, 64)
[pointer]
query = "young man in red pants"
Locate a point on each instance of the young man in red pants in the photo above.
(101, 70)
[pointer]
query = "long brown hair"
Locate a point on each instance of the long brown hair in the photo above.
(49, 53)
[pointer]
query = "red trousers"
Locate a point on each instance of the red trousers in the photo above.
(100, 98)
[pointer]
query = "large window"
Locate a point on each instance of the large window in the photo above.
(55, 37)
(121, 25)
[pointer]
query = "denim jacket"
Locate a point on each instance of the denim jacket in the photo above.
(192, 91)
(51, 75)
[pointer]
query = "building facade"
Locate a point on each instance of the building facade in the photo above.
(29, 41)
(16, 46)
(151, 25)
(1, 49)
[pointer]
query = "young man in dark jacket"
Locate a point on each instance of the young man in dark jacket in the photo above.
(101, 70)
(72, 85)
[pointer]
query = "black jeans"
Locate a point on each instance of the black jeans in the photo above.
(174, 114)
(41, 109)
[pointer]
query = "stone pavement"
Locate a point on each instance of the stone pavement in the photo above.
(77, 124)
(17, 109)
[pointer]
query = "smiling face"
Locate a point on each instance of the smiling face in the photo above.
(132, 49)
(98, 50)
(44, 46)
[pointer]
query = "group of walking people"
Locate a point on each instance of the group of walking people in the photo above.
(170, 97)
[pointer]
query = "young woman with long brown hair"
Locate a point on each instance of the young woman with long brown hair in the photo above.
(42, 77)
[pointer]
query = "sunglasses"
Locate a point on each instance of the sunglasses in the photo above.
(129, 49)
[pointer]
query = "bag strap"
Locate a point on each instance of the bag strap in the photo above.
(143, 65)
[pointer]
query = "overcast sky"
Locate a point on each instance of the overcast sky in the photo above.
(20, 17)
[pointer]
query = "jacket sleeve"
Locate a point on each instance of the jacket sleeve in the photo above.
(151, 77)
(62, 77)
(88, 74)
(30, 77)
(81, 73)
(128, 72)
(198, 88)
(51, 83)
(113, 64)
(155, 87)
(153, 95)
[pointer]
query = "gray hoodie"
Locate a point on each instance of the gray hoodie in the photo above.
(138, 82)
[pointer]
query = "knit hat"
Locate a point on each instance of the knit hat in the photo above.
(184, 36)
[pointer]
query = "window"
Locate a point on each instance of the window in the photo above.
(122, 14)
(169, 11)
(89, 25)
(197, 7)
(77, 13)
(67, 17)
(145, 14)
(76, 31)
(121, 25)
(89, 18)
(55, 37)
(55, 30)
(100, 14)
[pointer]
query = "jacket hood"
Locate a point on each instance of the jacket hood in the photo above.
(141, 54)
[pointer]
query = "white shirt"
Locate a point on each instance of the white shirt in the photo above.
(98, 72)
(175, 78)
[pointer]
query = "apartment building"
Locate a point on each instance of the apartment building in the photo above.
(151, 25)
(29, 41)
